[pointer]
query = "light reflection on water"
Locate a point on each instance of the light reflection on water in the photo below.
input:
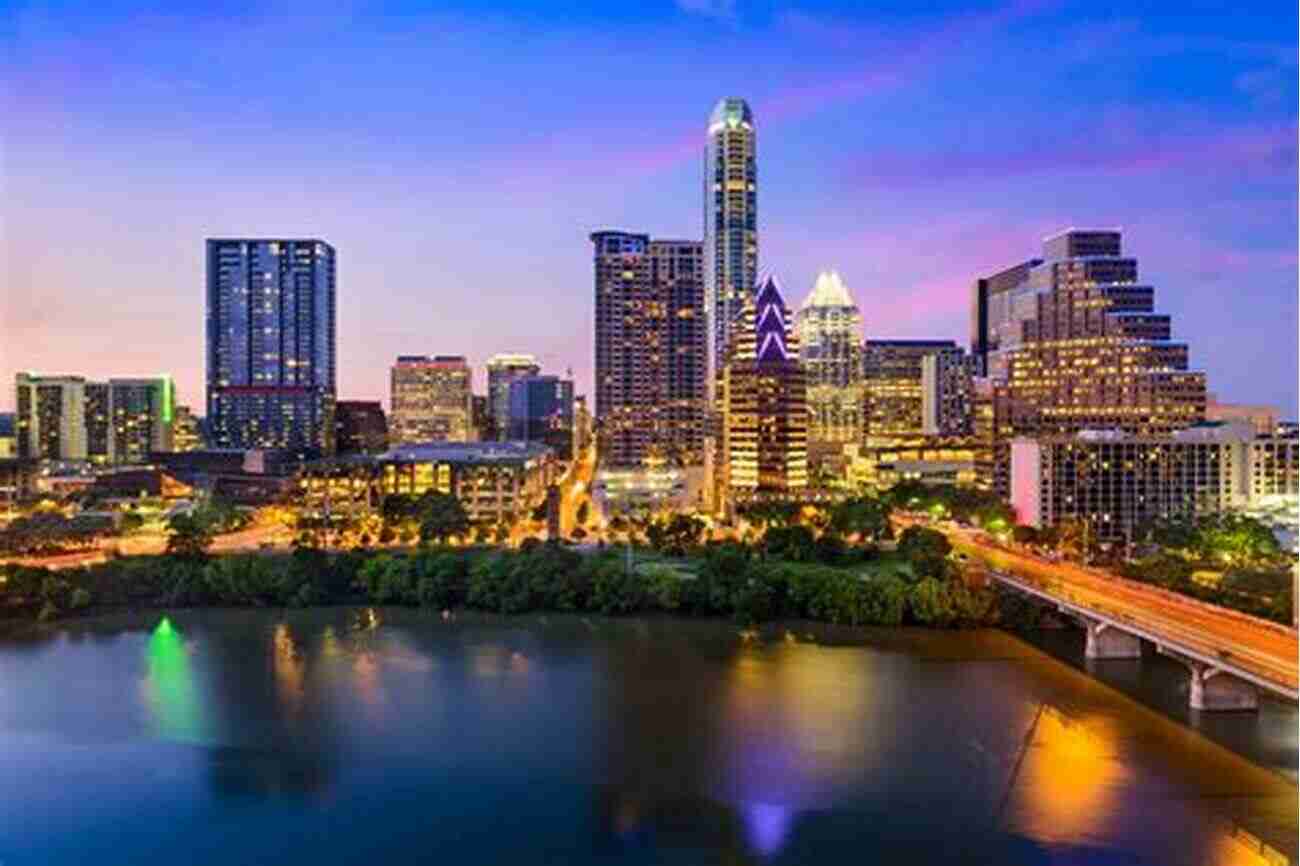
(585, 741)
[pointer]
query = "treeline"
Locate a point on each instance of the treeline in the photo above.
(716, 580)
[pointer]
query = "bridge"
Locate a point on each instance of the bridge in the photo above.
(1230, 656)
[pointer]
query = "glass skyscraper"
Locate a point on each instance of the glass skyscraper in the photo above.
(730, 221)
(271, 343)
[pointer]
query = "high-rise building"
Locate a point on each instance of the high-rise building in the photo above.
(991, 291)
(503, 369)
(829, 327)
(765, 400)
(947, 394)
(430, 399)
(360, 427)
(271, 343)
(541, 410)
(1079, 346)
(117, 421)
(730, 222)
(651, 344)
(187, 430)
(51, 417)
(893, 384)
(141, 417)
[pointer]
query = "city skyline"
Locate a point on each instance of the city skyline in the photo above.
(910, 213)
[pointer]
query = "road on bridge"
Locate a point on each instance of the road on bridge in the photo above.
(1267, 650)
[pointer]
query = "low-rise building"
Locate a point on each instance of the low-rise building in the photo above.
(929, 460)
(496, 482)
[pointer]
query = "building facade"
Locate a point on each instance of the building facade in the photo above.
(541, 410)
(430, 399)
(927, 459)
(893, 392)
(1078, 345)
(187, 430)
(360, 427)
(496, 482)
(730, 222)
(501, 371)
(829, 327)
(947, 394)
(651, 344)
(51, 417)
(1115, 483)
(271, 358)
(67, 418)
(765, 398)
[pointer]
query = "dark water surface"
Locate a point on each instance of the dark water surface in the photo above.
(390, 736)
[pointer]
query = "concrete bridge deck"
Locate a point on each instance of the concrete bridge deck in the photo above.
(1211, 640)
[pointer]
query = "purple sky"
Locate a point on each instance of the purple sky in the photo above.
(458, 160)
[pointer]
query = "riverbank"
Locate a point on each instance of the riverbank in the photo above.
(727, 580)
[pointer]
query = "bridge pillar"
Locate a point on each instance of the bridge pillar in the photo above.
(1213, 689)
(1105, 641)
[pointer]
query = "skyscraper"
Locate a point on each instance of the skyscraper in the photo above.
(829, 326)
(730, 221)
(1080, 346)
(501, 371)
(541, 410)
(764, 395)
(271, 343)
(651, 344)
(430, 399)
(51, 417)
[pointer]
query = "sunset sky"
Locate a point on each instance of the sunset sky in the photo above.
(457, 155)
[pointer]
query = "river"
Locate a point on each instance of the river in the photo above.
(393, 736)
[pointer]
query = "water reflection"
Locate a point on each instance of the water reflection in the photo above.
(169, 688)
(605, 741)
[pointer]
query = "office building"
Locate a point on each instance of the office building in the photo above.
(1275, 468)
(187, 430)
(926, 459)
(271, 344)
(893, 386)
(650, 341)
(992, 289)
(1079, 346)
(503, 369)
(496, 482)
(360, 427)
(430, 399)
(730, 222)
(541, 410)
(947, 394)
(829, 327)
(1115, 483)
(764, 395)
(141, 418)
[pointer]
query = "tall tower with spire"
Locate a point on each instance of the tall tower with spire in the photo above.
(764, 399)
(730, 221)
(829, 326)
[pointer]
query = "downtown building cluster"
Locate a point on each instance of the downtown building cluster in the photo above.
(1072, 400)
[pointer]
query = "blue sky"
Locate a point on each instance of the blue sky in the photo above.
(458, 155)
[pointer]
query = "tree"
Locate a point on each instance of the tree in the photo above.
(863, 516)
(441, 517)
(926, 549)
(189, 535)
(795, 543)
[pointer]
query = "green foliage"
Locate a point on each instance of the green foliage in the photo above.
(189, 535)
(795, 543)
(926, 549)
(676, 535)
(865, 517)
(441, 516)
